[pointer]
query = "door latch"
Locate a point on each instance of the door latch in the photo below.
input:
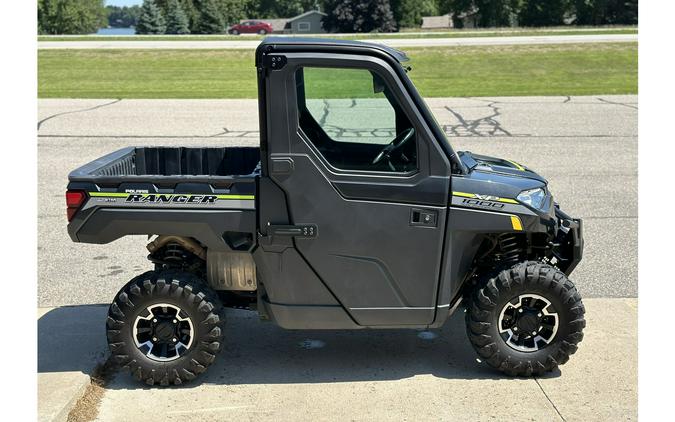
(421, 217)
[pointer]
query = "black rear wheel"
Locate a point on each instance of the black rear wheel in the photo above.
(527, 320)
(166, 328)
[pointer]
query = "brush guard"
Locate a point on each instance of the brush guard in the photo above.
(568, 246)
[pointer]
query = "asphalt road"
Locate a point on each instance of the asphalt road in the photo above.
(393, 42)
(586, 146)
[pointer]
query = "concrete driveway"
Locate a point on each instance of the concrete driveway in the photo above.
(267, 372)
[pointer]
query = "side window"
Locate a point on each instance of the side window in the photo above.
(355, 122)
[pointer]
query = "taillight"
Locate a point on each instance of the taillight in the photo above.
(74, 200)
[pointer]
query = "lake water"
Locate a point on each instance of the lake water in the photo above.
(116, 31)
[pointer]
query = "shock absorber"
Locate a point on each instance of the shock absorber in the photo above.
(510, 248)
(173, 253)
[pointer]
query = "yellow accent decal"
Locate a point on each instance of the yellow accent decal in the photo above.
(518, 166)
(515, 222)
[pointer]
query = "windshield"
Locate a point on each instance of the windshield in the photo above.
(437, 129)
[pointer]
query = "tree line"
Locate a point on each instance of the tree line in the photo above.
(214, 16)
(391, 15)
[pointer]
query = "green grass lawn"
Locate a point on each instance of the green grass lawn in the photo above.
(508, 32)
(565, 69)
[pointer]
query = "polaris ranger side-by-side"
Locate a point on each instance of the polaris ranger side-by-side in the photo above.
(355, 212)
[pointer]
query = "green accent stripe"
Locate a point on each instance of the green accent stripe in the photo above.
(518, 166)
(109, 194)
(475, 196)
(124, 195)
(242, 197)
(464, 194)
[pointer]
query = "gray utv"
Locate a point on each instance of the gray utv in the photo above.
(355, 212)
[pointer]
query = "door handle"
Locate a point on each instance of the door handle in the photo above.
(422, 217)
(304, 230)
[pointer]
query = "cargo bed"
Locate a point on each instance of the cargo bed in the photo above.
(166, 190)
(167, 164)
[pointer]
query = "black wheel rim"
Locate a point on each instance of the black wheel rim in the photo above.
(163, 332)
(528, 323)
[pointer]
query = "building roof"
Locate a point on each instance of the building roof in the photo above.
(277, 24)
(307, 13)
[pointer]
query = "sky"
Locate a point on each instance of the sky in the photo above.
(122, 2)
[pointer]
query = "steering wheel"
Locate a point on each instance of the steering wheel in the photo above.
(395, 144)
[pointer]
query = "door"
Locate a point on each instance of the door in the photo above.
(359, 165)
(248, 27)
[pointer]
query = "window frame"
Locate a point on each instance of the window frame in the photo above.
(309, 26)
(403, 107)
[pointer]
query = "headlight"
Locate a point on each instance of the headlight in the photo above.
(533, 197)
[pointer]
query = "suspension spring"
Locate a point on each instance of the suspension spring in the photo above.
(509, 248)
(173, 253)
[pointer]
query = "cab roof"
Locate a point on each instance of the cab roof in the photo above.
(296, 43)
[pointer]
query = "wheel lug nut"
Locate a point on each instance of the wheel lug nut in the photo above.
(154, 320)
(154, 339)
(539, 314)
(175, 340)
(534, 333)
(175, 321)
(515, 328)
(520, 310)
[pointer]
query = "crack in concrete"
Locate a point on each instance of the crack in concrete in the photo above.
(549, 400)
(224, 132)
(487, 126)
(326, 112)
(615, 103)
(76, 111)
(567, 99)
(341, 132)
(625, 217)
(254, 133)
(228, 134)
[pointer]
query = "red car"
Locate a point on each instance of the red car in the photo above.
(251, 27)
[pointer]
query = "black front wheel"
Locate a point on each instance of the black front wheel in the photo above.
(166, 328)
(527, 320)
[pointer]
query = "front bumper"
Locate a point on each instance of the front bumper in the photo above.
(569, 242)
